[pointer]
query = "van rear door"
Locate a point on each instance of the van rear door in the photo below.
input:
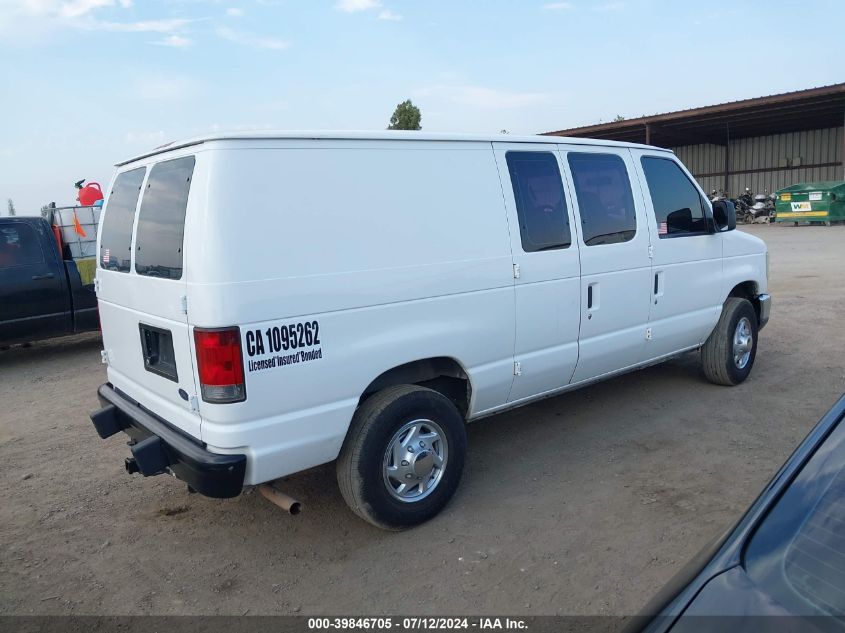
(142, 294)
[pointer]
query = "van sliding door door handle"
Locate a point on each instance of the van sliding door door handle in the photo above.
(659, 281)
(45, 276)
(592, 296)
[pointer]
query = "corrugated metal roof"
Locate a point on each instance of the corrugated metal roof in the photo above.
(787, 112)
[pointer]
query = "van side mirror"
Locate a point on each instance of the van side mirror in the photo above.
(724, 216)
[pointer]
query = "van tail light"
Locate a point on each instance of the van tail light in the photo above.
(220, 364)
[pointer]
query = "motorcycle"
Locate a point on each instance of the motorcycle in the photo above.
(716, 196)
(763, 207)
(772, 206)
(743, 205)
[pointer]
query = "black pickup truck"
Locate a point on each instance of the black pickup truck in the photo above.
(42, 294)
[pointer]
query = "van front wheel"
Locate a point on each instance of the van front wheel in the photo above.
(403, 457)
(728, 354)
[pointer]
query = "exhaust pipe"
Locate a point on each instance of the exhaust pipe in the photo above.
(286, 503)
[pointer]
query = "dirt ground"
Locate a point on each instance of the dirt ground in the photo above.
(582, 504)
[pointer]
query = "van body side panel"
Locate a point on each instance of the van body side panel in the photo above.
(305, 398)
(367, 255)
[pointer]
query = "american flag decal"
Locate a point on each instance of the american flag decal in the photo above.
(662, 229)
(106, 256)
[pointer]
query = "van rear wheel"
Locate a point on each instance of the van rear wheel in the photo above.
(403, 457)
(729, 352)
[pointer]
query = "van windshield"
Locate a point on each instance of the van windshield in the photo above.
(161, 219)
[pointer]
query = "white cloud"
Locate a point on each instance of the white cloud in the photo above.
(610, 6)
(234, 12)
(175, 41)
(78, 8)
(485, 98)
(143, 26)
(558, 6)
(68, 9)
(353, 6)
(251, 40)
(33, 20)
(387, 14)
(79, 14)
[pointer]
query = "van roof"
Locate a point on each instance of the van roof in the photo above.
(380, 135)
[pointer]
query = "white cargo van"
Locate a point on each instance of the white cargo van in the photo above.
(271, 302)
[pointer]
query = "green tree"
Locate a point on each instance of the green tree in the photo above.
(406, 116)
(11, 208)
(618, 118)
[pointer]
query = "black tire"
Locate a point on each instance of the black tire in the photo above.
(360, 466)
(717, 354)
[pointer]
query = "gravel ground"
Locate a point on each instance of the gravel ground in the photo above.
(581, 504)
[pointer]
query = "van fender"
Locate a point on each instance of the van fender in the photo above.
(443, 374)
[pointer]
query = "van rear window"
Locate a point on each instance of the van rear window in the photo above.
(161, 220)
(116, 238)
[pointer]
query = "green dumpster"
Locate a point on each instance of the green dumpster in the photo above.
(811, 202)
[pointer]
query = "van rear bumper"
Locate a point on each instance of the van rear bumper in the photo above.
(158, 448)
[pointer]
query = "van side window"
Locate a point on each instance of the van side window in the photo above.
(678, 207)
(604, 198)
(540, 203)
(19, 246)
(161, 219)
(116, 238)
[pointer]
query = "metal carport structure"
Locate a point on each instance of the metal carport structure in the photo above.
(765, 143)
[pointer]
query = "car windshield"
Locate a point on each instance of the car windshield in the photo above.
(797, 555)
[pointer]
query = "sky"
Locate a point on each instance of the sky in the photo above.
(87, 83)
